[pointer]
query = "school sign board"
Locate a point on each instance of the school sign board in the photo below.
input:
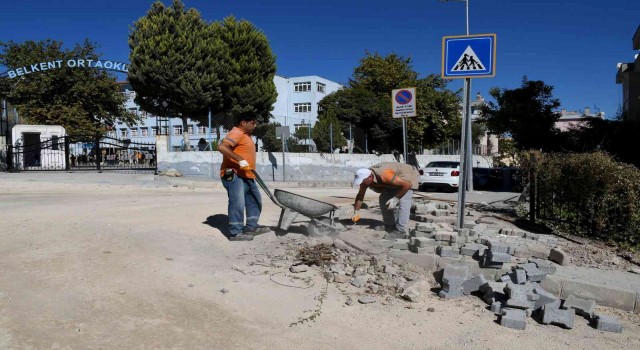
(469, 56)
(403, 102)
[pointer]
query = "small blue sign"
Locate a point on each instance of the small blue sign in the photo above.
(469, 56)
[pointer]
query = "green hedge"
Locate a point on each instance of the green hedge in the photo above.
(589, 194)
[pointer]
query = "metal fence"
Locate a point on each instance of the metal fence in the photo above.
(79, 152)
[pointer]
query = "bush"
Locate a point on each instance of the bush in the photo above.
(589, 194)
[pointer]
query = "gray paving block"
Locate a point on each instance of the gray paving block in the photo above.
(450, 294)
(456, 272)
(539, 251)
(533, 273)
(500, 247)
(473, 249)
(561, 317)
(496, 307)
(545, 298)
(445, 236)
(518, 276)
(490, 264)
(513, 318)
(448, 252)
(499, 257)
(608, 324)
(425, 227)
(473, 284)
(423, 241)
(558, 256)
(584, 307)
(401, 244)
(544, 265)
(517, 294)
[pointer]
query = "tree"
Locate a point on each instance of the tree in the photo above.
(525, 113)
(248, 86)
(176, 64)
(83, 100)
(326, 131)
(366, 104)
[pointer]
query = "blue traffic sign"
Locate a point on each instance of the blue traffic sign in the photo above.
(469, 56)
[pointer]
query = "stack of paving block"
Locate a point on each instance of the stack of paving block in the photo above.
(498, 254)
(453, 279)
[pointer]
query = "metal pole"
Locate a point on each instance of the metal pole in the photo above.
(309, 136)
(404, 138)
(350, 140)
(469, 138)
(170, 136)
(209, 131)
(282, 137)
(366, 143)
(331, 137)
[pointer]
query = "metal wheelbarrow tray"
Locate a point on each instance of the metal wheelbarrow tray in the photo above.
(293, 204)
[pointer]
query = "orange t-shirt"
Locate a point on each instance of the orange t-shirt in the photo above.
(386, 180)
(242, 145)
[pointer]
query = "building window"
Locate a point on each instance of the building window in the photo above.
(302, 87)
(134, 132)
(302, 107)
(202, 130)
(164, 130)
(145, 132)
(154, 131)
(190, 129)
(123, 132)
(322, 87)
(177, 130)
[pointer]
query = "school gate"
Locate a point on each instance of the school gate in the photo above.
(80, 153)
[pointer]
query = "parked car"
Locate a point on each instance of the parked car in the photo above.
(440, 174)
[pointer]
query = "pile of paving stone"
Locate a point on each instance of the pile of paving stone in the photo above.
(518, 295)
(516, 262)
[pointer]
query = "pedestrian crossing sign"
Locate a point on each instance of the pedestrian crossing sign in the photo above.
(469, 56)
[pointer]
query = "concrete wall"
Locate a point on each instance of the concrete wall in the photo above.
(302, 167)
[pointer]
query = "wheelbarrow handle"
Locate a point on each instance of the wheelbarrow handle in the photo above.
(266, 189)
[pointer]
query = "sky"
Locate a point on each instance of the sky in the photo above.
(571, 45)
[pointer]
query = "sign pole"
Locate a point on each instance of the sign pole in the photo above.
(469, 137)
(404, 137)
(283, 158)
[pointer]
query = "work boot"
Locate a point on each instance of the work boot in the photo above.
(384, 228)
(257, 231)
(395, 234)
(241, 237)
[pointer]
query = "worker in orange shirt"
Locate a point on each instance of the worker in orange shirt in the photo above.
(238, 159)
(395, 183)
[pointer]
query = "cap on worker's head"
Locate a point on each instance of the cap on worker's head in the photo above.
(361, 174)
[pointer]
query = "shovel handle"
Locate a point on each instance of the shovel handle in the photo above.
(266, 189)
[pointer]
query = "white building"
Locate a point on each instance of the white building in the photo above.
(296, 106)
(573, 119)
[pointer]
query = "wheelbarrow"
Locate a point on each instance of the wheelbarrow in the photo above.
(293, 204)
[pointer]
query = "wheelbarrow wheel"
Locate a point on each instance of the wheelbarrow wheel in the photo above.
(322, 227)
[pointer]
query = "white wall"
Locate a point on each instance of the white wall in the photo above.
(304, 167)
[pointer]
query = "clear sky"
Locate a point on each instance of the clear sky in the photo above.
(573, 45)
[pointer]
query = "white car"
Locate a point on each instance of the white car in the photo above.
(440, 174)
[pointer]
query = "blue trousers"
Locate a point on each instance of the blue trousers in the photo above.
(243, 196)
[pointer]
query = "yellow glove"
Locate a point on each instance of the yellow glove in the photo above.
(355, 216)
(244, 165)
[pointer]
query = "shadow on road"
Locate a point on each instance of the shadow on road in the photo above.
(219, 221)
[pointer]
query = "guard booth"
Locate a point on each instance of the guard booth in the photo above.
(38, 147)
